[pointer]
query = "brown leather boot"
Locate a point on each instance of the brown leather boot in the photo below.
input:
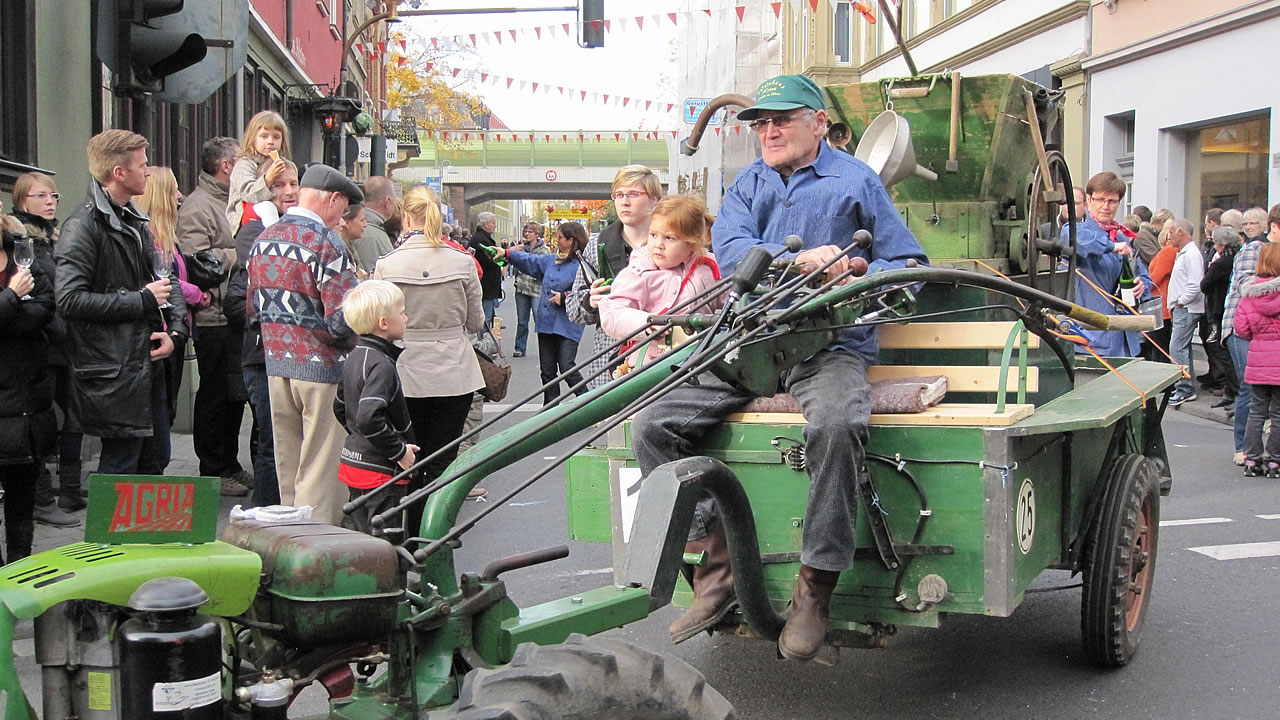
(810, 610)
(713, 592)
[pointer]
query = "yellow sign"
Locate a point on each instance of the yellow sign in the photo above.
(568, 215)
(99, 690)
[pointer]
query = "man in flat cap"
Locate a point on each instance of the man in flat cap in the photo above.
(298, 275)
(800, 185)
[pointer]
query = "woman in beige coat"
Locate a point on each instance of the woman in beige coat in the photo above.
(438, 369)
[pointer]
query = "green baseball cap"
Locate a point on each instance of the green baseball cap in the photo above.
(785, 92)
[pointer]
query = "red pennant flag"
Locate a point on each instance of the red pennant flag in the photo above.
(484, 77)
(498, 137)
(595, 25)
(607, 26)
(467, 136)
(444, 135)
(456, 71)
(537, 31)
(673, 18)
(403, 47)
(673, 134)
(584, 95)
(777, 9)
(546, 138)
(597, 137)
(740, 9)
(401, 60)
(514, 138)
(737, 129)
(382, 47)
(708, 10)
(717, 131)
(647, 103)
(564, 138)
(431, 133)
(513, 35)
(473, 38)
(814, 4)
(566, 27)
(429, 66)
(435, 44)
(560, 88)
(625, 100)
(669, 106)
(481, 136)
(360, 48)
(535, 87)
(498, 33)
(639, 22)
(509, 81)
(617, 136)
(606, 98)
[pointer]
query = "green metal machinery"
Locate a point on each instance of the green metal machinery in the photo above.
(1033, 460)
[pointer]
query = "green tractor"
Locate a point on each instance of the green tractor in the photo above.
(1037, 459)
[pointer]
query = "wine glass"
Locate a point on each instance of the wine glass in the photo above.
(23, 255)
(163, 268)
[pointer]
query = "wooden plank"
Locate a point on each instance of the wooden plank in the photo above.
(951, 336)
(980, 414)
(960, 378)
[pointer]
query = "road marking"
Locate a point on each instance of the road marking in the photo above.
(1194, 521)
(1239, 551)
(502, 407)
(527, 504)
(1270, 517)
(581, 573)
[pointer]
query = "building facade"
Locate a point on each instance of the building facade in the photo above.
(57, 95)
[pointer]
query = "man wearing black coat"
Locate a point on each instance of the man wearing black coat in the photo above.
(491, 273)
(118, 331)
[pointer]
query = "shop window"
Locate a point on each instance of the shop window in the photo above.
(17, 96)
(1228, 162)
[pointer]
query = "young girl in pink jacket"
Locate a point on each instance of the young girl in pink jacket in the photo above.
(674, 268)
(1258, 321)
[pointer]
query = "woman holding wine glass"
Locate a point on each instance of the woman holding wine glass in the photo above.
(160, 202)
(35, 204)
(28, 427)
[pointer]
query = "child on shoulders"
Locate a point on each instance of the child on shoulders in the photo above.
(370, 403)
(264, 154)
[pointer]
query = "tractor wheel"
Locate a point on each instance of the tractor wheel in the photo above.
(1120, 562)
(585, 679)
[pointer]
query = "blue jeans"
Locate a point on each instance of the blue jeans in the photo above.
(832, 389)
(1239, 349)
(524, 308)
(142, 455)
(266, 488)
(556, 354)
(1184, 326)
(490, 309)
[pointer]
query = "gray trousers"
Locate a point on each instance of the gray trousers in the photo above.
(835, 397)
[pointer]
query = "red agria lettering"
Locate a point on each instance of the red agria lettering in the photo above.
(153, 507)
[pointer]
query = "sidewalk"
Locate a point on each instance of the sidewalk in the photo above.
(1200, 407)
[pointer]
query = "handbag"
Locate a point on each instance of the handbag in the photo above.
(496, 371)
(205, 270)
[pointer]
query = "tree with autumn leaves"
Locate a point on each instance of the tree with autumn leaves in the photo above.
(421, 85)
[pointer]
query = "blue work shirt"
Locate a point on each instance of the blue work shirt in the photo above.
(549, 318)
(824, 203)
(1097, 258)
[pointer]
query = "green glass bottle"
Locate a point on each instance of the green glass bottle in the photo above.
(1127, 282)
(496, 254)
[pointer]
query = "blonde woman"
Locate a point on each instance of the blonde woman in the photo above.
(160, 204)
(438, 368)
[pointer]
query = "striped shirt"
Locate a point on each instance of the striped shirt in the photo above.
(1243, 271)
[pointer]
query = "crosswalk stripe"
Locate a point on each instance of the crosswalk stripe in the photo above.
(1239, 551)
(1194, 521)
(1270, 517)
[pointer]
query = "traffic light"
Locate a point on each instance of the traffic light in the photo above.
(591, 22)
(141, 56)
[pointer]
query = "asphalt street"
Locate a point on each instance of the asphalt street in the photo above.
(1210, 649)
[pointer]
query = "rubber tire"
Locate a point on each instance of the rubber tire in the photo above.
(585, 679)
(1133, 480)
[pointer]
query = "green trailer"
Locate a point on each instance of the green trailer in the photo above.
(1033, 459)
